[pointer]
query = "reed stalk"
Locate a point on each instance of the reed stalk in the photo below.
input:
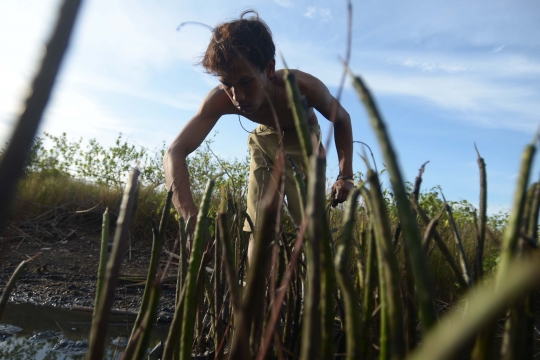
(518, 338)
(463, 262)
(532, 226)
(102, 257)
(483, 348)
(183, 261)
(328, 285)
(253, 302)
(511, 235)
(299, 115)
(409, 303)
(411, 235)
(300, 187)
(315, 214)
(276, 308)
(154, 258)
(442, 247)
(148, 322)
(284, 263)
(226, 244)
(100, 321)
(484, 304)
(11, 285)
(193, 271)
(482, 219)
(391, 307)
(171, 344)
(353, 324)
(430, 230)
(12, 162)
(218, 292)
(367, 294)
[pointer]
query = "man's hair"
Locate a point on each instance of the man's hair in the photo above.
(239, 40)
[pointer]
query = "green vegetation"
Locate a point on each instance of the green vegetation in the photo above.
(68, 177)
(405, 275)
(365, 295)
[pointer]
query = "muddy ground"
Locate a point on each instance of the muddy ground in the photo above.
(64, 274)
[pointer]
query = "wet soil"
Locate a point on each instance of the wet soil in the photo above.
(64, 274)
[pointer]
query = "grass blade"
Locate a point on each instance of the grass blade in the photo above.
(411, 236)
(482, 219)
(484, 304)
(442, 246)
(511, 234)
(252, 306)
(391, 306)
(353, 324)
(102, 257)
(230, 270)
(191, 278)
(12, 162)
(11, 285)
(463, 262)
(315, 214)
(171, 345)
(183, 261)
(368, 290)
(148, 322)
(100, 322)
(152, 267)
(299, 115)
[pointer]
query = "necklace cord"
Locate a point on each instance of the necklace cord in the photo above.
(273, 104)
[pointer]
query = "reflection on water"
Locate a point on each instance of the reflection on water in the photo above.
(37, 332)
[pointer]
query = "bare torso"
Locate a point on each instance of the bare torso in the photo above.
(264, 114)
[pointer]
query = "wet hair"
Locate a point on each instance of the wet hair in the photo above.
(247, 38)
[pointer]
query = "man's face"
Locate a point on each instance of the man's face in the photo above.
(247, 87)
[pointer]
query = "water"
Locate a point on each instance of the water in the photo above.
(41, 332)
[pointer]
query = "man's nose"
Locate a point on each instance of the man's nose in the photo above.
(238, 94)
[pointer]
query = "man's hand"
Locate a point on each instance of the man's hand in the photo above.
(340, 191)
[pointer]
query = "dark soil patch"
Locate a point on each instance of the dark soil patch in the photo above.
(65, 273)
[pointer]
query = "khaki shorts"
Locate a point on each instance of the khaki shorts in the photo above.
(263, 145)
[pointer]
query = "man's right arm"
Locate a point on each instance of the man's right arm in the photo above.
(189, 139)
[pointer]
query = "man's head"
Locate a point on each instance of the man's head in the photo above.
(241, 53)
(233, 42)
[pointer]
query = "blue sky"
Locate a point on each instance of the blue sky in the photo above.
(445, 75)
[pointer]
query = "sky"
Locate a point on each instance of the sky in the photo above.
(445, 75)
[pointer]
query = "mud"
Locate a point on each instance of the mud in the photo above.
(64, 274)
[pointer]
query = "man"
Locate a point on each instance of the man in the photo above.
(241, 55)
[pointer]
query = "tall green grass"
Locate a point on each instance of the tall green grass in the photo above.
(341, 308)
(401, 276)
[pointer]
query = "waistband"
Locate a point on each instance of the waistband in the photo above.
(261, 129)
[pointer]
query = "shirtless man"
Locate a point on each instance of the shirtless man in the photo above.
(241, 55)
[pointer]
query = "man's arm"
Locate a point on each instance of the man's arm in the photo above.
(189, 139)
(319, 97)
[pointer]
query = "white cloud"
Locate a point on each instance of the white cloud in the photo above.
(427, 65)
(482, 101)
(498, 49)
(179, 100)
(325, 14)
(310, 13)
(284, 3)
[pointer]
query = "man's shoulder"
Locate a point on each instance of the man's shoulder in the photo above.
(217, 101)
(306, 81)
(309, 85)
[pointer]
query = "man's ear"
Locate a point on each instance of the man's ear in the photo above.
(271, 69)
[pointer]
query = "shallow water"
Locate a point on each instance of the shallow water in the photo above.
(38, 332)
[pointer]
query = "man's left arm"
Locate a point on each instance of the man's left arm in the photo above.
(344, 145)
(319, 97)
